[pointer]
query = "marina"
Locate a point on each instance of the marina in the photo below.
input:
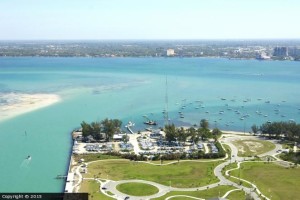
(127, 94)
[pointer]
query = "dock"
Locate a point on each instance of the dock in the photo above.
(129, 129)
(130, 124)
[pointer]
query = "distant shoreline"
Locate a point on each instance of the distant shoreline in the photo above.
(171, 57)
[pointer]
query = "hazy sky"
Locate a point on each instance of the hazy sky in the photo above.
(149, 19)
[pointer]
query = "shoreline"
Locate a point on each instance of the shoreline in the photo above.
(21, 103)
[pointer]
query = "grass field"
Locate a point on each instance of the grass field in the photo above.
(236, 195)
(93, 157)
(182, 174)
(92, 187)
(227, 149)
(137, 189)
(209, 193)
(272, 180)
(232, 166)
(172, 161)
(247, 148)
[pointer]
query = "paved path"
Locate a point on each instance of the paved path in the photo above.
(190, 197)
(227, 193)
(111, 185)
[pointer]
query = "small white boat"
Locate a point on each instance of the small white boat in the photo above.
(28, 158)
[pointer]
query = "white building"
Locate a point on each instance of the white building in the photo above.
(170, 52)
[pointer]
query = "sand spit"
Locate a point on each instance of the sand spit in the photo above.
(13, 104)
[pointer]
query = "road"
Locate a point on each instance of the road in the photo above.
(111, 185)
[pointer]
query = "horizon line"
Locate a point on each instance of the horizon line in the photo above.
(182, 39)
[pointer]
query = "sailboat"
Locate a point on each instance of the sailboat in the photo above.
(149, 122)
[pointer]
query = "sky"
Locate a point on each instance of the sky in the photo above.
(149, 19)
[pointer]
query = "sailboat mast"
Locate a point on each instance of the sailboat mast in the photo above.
(166, 102)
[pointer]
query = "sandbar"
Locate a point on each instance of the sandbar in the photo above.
(14, 104)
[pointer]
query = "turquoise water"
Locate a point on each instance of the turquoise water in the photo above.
(128, 88)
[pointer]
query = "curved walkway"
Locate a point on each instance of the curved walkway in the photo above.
(227, 193)
(183, 196)
(111, 185)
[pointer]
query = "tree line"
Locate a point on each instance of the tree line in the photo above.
(181, 134)
(102, 130)
(279, 130)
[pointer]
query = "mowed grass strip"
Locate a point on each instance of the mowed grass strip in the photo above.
(247, 148)
(205, 194)
(272, 179)
(137, 189)
(94, 156)
(182, 174)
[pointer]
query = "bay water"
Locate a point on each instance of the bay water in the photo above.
(231, 94)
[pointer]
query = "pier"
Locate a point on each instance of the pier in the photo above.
(130, 124)
(70, 176)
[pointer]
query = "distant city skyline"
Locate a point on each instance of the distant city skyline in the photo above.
(142, 20)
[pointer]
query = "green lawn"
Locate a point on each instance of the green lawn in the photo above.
(182, 174)
(236, 195)
(93, 157)
(227, 149)
(137, 189)
(232, 166)
(209, 193)
(272, 180)
(92, 187)
(247, 148)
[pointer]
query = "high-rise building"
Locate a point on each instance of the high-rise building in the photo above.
(281, 51)
(294, 51)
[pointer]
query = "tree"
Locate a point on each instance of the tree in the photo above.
(86, 129)
(170, 131)
(204, 124)
(254, 128)
(93, 129)
(110, 127)
(216, 131)
(182, 135)
(204, 133)
(193, 134)
(125, 138)
(291, 130)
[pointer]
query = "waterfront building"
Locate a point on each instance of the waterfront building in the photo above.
(170, 52)
(263, 56)
(281, 51)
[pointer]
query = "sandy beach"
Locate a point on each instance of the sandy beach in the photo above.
(13, 104)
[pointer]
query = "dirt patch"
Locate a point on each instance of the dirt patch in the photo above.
(253, 146)
(241, 149)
